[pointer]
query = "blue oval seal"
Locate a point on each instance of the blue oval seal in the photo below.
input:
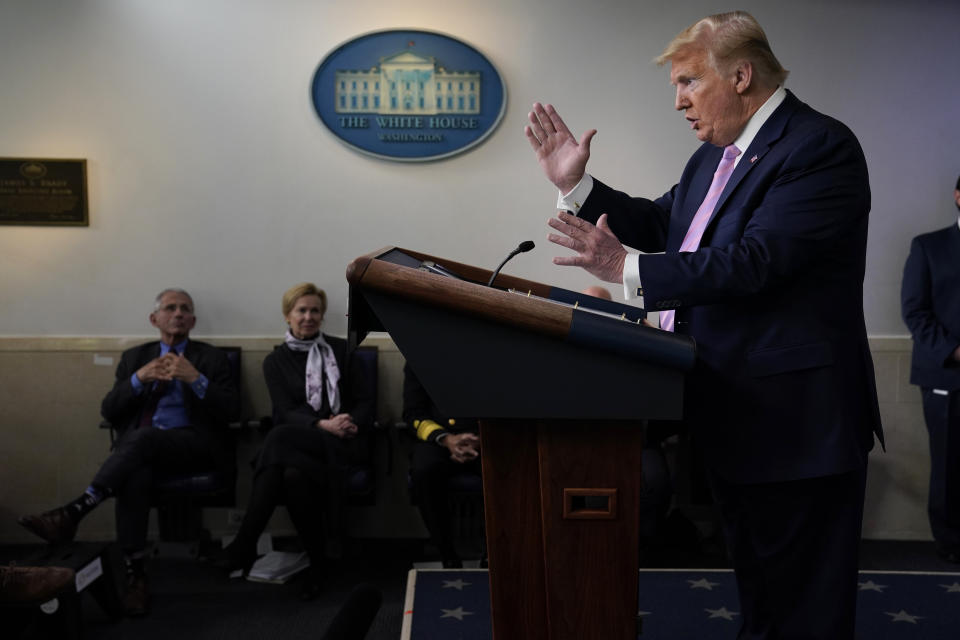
(409, 95)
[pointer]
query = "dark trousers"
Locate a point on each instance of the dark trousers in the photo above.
(942, 415)
(794, 547)
(302, 468)
(430, 470)
(130, 469)
(276, 484)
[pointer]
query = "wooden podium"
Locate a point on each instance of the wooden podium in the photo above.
(561, 383)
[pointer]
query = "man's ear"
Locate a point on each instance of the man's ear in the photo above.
(153, 319)
(743, 76)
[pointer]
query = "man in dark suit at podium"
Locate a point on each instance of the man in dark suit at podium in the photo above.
(930, 300)
(763, 245)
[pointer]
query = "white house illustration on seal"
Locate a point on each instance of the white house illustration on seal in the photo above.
(408, 84)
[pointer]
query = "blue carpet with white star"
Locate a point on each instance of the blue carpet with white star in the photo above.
(451, 604)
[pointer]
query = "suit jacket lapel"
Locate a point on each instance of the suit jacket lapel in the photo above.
(769, 134)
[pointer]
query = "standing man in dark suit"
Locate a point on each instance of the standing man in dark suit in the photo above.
(763, 245)
(930, 299)
(172, 400)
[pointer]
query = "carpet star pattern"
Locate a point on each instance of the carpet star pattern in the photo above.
(457, 613)
(700, 603)
(703, 583)
(903, 616)
(457, 584)
(722, 612)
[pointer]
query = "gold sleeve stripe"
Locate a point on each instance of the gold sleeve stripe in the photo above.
(425, 428)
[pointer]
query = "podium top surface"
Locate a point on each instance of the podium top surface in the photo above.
(575, 318)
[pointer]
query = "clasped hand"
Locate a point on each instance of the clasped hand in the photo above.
(340, 425)
(463, 447)
(168, 367)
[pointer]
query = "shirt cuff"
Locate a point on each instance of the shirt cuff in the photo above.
(199, 386)
(136, 384)
(632, 287)
(574, 200)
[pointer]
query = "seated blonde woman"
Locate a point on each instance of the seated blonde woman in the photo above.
(321, 416)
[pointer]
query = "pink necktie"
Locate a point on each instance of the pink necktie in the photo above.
(691, 241)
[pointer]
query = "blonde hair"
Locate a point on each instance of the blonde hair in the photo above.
(294, 293)
(728, 38)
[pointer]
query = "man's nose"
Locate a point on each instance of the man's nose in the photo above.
(680, 102)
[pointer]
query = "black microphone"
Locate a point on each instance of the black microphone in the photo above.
(525, 246)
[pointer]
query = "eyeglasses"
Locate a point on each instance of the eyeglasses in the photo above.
(173, 308)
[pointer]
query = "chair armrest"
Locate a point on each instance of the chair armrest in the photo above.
(106, 424)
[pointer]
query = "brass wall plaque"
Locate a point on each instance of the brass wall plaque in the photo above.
(37, 191)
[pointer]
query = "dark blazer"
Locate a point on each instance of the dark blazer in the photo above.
(285, 372)
(418, 405)
(211, 414)
(930, 302)
(784, 385)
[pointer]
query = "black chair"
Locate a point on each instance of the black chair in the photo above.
(360, 482)
(181, 497)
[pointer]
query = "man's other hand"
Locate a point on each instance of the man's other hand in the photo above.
(600, 253)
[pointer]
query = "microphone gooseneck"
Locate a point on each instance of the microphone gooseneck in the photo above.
(525, 246)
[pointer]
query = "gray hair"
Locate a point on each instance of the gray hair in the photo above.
(727, 37)
(157, 301)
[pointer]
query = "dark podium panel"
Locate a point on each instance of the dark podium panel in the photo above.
(561, 392)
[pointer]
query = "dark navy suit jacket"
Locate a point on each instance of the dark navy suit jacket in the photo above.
(784, 384)
(211, 414)
(930, 301)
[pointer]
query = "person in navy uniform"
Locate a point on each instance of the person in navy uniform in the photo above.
(445, 447)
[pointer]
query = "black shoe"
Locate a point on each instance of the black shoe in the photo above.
(234, 558)
(54, 526)
(136, 599)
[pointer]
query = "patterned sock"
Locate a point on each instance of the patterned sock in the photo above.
(86, 502)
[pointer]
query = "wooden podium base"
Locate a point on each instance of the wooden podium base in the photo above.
(562, 515)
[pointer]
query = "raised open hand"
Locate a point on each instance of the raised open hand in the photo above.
(564, 160)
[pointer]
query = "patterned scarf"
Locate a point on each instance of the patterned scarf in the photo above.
(319, 361)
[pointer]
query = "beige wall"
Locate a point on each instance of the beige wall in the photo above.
(50, 444)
